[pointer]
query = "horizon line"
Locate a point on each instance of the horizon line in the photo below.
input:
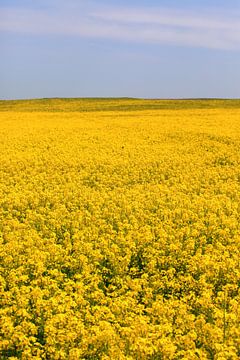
(121, 98)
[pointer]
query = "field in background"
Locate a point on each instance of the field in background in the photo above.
(115, 104)
(120, 229)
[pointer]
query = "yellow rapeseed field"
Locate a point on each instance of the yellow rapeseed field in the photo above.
(120, 229)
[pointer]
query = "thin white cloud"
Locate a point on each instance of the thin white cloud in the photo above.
(164, 16)
(216, 30)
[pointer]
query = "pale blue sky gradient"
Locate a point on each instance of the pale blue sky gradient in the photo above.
(87, 48)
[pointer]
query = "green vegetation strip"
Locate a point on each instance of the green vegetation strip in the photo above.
(114, 104)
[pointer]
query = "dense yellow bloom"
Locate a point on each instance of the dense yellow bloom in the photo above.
(119, 230)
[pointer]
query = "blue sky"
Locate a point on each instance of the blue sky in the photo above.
(136, 48)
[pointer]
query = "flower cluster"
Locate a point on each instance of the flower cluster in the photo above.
(120, 235)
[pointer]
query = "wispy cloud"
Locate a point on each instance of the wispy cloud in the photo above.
(205, 28)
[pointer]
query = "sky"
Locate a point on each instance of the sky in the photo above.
(129, 48)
